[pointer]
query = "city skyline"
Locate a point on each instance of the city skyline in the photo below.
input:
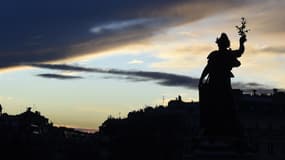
(79, 62)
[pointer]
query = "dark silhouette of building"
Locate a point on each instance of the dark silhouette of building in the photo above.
(1, 109)
(167, 132)
(30, 135)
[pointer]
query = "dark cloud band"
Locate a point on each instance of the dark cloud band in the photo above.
(161, 78)
(166, 79)
(58, 76)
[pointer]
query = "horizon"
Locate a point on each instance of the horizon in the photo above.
(79, 62)
(92, 130)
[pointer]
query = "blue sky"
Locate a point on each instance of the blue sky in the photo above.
(140, 48)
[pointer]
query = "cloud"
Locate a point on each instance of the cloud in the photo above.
(63, 67)
(269, 17)
(165, 79)
(136, 61)
(252, 86)
(31, 33)
(119, 25)
(58, 76)
(161, 78)
(274, 49)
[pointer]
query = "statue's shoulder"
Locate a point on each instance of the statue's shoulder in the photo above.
(212, 55)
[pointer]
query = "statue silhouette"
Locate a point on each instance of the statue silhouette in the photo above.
(218, 115)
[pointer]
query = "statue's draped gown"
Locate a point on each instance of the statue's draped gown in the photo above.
(218, 114)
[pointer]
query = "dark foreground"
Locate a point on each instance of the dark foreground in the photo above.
(158, 133)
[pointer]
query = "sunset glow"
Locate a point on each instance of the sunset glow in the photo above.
(118, 55)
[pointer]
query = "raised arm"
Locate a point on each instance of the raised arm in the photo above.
(239, 52)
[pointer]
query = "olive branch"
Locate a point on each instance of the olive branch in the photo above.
(242, 28)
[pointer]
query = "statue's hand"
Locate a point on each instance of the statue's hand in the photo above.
(242, 39)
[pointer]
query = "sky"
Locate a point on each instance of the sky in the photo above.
(78, 62)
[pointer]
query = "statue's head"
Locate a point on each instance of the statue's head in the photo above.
(223, 41)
